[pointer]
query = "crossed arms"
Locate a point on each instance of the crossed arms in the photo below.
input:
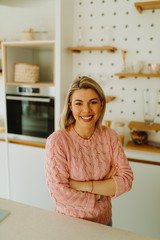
(105, 187)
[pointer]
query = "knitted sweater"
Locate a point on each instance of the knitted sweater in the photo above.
(68, 156)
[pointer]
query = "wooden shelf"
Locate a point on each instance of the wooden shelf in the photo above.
(2, 140)
(38, 84)
(27, 143)
(109, 98)
(31, 43)
(148, 75)
(103, 48)
(143, 126)
(141, 6)
(131, 145)
(29, 52)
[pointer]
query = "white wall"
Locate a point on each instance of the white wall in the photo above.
(17, 16)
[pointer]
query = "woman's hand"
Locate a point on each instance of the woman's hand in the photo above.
(97, 197)
(112, 172)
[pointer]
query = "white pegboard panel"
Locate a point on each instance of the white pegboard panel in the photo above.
(137, 33)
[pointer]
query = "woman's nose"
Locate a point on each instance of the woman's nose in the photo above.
(86, 108)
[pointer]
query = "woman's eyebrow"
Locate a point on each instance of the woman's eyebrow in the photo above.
(79, 100)
(93, 99)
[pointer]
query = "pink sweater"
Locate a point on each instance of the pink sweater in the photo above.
(70, 156)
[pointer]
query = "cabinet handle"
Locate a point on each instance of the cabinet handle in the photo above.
(28, 99)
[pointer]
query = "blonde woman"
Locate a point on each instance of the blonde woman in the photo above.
(85, 163)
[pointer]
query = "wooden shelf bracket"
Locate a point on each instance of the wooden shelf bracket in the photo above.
(109, 98)
(150, 5)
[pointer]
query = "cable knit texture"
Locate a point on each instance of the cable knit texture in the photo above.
(70, 156)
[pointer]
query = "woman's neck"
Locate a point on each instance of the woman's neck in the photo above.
(85, 133)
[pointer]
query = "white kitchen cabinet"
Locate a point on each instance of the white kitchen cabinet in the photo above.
(27, 176)
(23, 165)
(139, 210)
(4, 187)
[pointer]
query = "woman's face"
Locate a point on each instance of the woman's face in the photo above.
(86, 108)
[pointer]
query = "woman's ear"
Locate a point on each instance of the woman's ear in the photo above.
(69, 105)
(102, 103)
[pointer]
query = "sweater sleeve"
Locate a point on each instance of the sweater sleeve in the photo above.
(124, 177)
(57, 177)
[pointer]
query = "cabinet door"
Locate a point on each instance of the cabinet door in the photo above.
(4, 190)
(139, 210)
(27, 176)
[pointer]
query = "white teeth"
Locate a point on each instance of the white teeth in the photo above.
(86, 118)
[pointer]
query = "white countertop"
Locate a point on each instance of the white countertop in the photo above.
(142, 155)
(31, 223)
(133, 154)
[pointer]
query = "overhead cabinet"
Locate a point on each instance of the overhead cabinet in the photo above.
(40, 53)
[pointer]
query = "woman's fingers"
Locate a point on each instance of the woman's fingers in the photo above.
(109, 175)
(97, 197)
(112, 172)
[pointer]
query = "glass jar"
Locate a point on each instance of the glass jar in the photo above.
(119, 128)
(107, 123)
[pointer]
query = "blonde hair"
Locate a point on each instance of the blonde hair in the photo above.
(66, 118)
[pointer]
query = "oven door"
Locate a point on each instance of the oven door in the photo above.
(30, 118)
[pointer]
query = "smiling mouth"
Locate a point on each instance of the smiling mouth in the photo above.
(87, 118)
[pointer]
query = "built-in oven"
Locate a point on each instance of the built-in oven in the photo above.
(30, 112)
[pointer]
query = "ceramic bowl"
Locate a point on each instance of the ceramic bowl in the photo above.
(155, 68)
(139, 137)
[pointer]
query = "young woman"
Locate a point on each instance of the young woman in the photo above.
(85, 164)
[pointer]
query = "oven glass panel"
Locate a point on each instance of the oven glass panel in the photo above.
(30, 118)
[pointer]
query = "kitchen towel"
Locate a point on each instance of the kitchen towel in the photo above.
(3, 214)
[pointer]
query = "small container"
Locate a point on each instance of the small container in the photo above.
(108, 123)
(107, 35)
(139, 137)
(27, 35)
(0, 58)
(119, 128)
(80, 36)
(26, 72)
(2, 130)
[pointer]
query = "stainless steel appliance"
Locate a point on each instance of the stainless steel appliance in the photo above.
(30, 112)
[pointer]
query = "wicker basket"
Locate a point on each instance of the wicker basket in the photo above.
(26, 72)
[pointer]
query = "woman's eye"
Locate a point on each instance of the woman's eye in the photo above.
(94, 102)
(78, 104)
